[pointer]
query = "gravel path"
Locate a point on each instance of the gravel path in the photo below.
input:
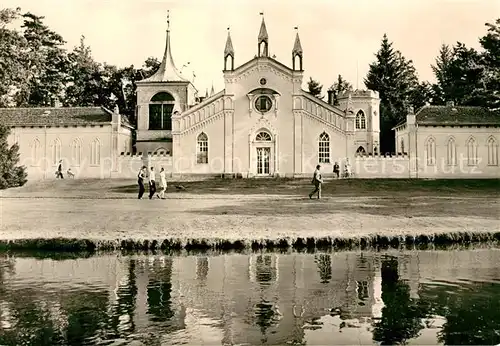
(242, 217)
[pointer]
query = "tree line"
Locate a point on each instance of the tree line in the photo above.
(37, 71)
(464, 76)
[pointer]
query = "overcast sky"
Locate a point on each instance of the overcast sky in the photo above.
(338, 36)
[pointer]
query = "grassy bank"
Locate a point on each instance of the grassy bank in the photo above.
(458, 240)
(127, 188)
(88, 215)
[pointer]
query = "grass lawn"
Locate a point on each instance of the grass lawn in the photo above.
(249, 209)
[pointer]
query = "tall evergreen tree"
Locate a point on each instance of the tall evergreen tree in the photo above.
(491, 61)
(12, 69)
(442, 91)
(338, 87)
(84, 77)
(314, 88)
(395, 78)
(11, 175)
(45, 62)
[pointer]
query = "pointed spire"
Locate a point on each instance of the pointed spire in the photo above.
(212, 92)
(263, 39)
(206, 93)
(263, 31)
(167, 72)
(297, 47)
(229, 50)
(297, 52)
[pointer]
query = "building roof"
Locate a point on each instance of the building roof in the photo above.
(167, 72)
(62, 116)
(456, 115)
(297, 47)
(263, 36)
(229, 50)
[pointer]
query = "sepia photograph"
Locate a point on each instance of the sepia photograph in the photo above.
(235, 172)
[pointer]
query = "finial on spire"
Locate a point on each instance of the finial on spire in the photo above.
(296, 28)
(168, 19)
(262, 13)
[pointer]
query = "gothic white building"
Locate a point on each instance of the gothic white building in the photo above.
(261, 124)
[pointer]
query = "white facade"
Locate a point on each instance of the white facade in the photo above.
(449, 141)
(88, 140)
(261, 124)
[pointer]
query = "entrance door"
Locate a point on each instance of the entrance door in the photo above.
(263, 157)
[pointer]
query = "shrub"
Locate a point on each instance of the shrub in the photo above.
(11, 175)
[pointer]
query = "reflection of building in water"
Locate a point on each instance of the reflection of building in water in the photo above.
(156, 298)
(270, 297)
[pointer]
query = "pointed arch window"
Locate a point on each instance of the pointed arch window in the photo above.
(202, 151)
(471, 152)
(95, 152)
(263, 137)
(35, 152)
(360, 120)
(324, 148)
(76, 152)
(161, 107)
(361, 150)
(492, 152)
(430, 151)
(451, 152)
(55, 151)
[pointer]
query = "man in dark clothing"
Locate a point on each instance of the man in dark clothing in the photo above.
(140, 180)
(317, 180)
(59, 171)
(336, 169)
(152, 183)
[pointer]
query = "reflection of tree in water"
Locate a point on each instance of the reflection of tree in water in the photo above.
(31, 322)
(159, 292)
(122, 316)
(324, 263)
(87, 315)
(472, 312)
(401, 315)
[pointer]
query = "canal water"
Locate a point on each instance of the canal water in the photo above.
(413, 297)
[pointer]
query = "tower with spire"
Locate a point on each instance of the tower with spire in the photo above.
(263, 39)
(160, 98)
(297, 53)
(228, 53)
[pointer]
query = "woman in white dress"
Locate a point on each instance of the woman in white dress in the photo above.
(163, 183)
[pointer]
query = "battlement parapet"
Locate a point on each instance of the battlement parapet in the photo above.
(358, 94)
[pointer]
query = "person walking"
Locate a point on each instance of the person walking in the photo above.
(317, 181)
(140, 180)
(152, 183)
(59, 173)
(163, 183)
